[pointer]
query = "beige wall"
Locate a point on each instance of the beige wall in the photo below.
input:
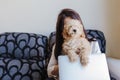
(113, 27)
(39, 16)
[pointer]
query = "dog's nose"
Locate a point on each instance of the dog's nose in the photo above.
(74, 30)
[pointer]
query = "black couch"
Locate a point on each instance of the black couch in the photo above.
(24, 56)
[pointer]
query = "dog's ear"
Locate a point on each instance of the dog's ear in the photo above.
(64, 33)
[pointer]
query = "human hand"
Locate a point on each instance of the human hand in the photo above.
(55, 71)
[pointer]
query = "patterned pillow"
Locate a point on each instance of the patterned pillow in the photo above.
(22, 69)
(91, 34)
(99, 36)
(23, 45)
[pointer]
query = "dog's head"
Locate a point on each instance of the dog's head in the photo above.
(73, 29)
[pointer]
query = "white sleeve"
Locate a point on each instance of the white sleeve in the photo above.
(95, 49)
(51, 63)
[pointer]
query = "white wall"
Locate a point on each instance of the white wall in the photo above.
(39, 16)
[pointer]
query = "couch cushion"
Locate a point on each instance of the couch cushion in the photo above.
(99, 36)
(22, 69)
(91, 34)
(22, 56)
(23, 45)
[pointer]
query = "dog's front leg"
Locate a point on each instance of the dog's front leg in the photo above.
(72, 56)
(84, 59)
(70, 52)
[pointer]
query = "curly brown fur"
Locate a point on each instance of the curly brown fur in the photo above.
(75, 44)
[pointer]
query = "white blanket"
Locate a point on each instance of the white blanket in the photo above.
(97, 69)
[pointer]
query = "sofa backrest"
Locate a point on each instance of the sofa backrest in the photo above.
(91, 34)
(99, 36)
(23, 45)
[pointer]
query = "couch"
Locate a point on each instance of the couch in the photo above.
(22, 56)
(25, 56)
(114, 68)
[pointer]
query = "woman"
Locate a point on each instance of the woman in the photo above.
(64, 16)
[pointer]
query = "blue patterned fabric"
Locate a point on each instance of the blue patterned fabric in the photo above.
(99, 36)
(22, 56)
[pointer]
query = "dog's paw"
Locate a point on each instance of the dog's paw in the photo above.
(84, 61)
(72, 59)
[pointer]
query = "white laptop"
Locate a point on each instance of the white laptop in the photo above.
(97, 69)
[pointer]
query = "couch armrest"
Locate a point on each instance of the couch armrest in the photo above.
(114, 68)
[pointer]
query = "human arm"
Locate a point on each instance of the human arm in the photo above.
(52, 68)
